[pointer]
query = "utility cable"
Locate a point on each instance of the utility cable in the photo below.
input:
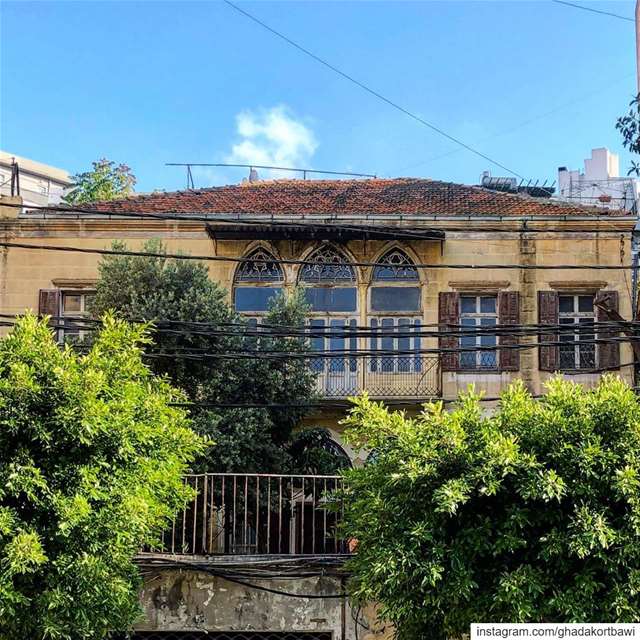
(369, 90)
(604, 13)
(180, 256)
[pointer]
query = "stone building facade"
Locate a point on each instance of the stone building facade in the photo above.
(405, 257)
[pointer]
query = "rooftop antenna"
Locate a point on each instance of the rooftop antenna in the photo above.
(253, 167)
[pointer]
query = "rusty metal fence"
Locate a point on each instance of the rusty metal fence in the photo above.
(257, 514)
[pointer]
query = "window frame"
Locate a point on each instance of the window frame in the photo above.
(377, 363)
(267, 283)
(478, 315)
(338, 283)
(83, 293)
(576, 315)
(392, 283)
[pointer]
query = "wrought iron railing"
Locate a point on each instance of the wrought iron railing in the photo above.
(258, 514)
(388, 376)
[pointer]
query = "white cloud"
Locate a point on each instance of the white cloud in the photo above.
(272, 137)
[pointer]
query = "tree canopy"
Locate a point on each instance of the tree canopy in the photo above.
(105, 181)
(191, 315)
(92, 453)
(531, 514)
(629, 126)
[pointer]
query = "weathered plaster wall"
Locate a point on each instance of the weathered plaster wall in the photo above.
(184, 600)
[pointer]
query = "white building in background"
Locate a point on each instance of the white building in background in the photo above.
(39, 184)
(600, 184)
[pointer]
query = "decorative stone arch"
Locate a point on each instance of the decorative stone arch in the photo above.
(269, 252)
(401, 248)
(310, 253)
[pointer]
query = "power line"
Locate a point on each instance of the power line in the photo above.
(369, 90)
(411, 233)
(519, 125)
(584, 8)
(180, 256)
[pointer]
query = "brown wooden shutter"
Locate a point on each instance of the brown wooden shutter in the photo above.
(608, 354)
(449, 314)
(49, 305)
(548, 314)
(509, 314)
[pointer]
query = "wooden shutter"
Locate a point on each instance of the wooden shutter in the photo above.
(449, 314)
(608, 354)
(548, 314)
(509, 314)
(49, 305)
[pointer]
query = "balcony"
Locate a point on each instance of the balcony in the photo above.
(236, 514)
(410, 376)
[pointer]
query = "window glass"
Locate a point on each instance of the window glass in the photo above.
(395, 298)
(395, 265)
(566, 304)
(328, 266)
(74, 304)
(488, 304)
(478, 312)
(576, 350)
(585, 304)
(259, 267)
(71, 303)
(339, 299)
(395, 335)
(467, 304)
(254, 298)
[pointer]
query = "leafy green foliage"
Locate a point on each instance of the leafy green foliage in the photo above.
(165, 290)
(531, 514)
(91, 461)
(106, 181)
(629, 126)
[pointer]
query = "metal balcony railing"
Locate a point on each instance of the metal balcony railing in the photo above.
(258, 514)
(406, 376)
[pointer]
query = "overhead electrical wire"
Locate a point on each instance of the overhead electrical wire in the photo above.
(245, 330)
(412, 233)
(565, 105)
(354, 263)
(592, 10)
(368, 89)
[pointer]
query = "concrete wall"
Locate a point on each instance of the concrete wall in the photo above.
(184, 600)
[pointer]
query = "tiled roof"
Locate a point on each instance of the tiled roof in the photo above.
(374, 196)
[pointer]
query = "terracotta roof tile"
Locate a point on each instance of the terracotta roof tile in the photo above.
(404, 196)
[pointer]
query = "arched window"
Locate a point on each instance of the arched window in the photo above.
(329, 281)
(330, 290)
(257, 281)
(395, 315)
(395, 266)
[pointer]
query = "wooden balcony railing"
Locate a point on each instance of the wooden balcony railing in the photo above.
(258, 514)
(388, 376)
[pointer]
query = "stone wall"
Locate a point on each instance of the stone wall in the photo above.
(186, 600)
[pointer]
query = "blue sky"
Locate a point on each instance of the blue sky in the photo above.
(534, 85)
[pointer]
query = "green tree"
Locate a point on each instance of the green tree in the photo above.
(629, 126)
(531, 514)
(92, 454)
(176, 295)
(105, 181)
